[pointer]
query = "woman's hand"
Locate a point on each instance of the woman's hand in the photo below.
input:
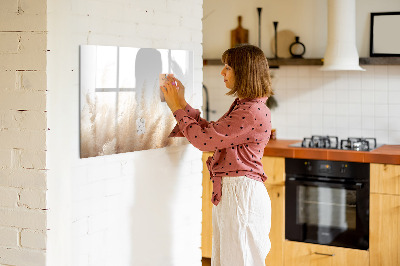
(171, 94)
(181, 92)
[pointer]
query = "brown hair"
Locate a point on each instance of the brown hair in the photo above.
(250, 66)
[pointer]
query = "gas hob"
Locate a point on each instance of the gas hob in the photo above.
(332, 142)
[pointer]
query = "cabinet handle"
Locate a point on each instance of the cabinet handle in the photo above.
(324, 254)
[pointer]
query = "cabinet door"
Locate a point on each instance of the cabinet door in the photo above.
(206, 232)
(274, 168)
(384, 230)
(277, 233)
(304, 254)
(385, 178)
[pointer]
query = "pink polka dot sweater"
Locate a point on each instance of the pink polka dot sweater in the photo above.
(238, 139)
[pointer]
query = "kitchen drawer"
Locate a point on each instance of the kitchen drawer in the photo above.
(305, 254)
(385, 178)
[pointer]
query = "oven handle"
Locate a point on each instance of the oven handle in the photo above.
(357, 185)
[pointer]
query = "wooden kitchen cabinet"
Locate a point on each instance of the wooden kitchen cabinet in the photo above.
(384, 236)
(385, 215)
(206, 226)
(277, 233)
(385, 178)
(305, 254)
(274, 168)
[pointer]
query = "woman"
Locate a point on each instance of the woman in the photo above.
(242, 208)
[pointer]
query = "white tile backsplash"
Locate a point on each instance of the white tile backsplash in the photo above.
(343, 103)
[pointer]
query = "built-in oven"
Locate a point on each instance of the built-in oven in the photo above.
(327, 202)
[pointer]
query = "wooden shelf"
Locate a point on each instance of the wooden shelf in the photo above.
(274, 63)
(380, 61)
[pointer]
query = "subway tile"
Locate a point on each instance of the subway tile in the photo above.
(280, 72)
(342, 109)
(305, 95)
(381, 110)
(381, 84)
(329, 122)
(317, 120)
(355, 96)
(316, 72)
(394, 123)
(329, 94)
(367, 110)
(291, 71)
(369, 70)
(381, 97)
(354, 82)
(316, 83)
(368, 122)
(304, 109)
(394, 110)
(394, 97)
(381, 123)
(279, 83)
(394, 83)
(394, 70)
(367, 96)
(367, 133)
(355, 132)
(293, 120)
(367, 83)
(342, 96)
(329, 83)
(355, 109)
(355, 122)
(394, 137)
(354, 75)
(329, 109)
(292, 82)
(342, 81)
(317, 107)
(382, 136)
(342, 133)
(328, 74)
(380, 71)
(304, 72)
(317, 131)
(317, 95)
(304, 82)
(342, 122)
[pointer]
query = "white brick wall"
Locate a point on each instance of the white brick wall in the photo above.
(140, 208)
(22, 132)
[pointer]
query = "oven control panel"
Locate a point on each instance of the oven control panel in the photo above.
(338, 169)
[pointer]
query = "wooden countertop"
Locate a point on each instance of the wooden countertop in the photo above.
(389, 154)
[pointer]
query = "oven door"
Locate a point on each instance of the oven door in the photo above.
(327, 213)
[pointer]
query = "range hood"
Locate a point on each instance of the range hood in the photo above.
(341, 51)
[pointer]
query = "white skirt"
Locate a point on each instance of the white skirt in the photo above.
(241, 223)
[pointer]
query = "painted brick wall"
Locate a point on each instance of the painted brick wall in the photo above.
(23, 132)
(140, 208)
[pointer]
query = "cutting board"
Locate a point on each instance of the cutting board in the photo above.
(239, 35)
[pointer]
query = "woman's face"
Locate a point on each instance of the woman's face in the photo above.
(229, 76)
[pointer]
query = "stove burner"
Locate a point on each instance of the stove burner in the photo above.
(358, 144)
(328, 142)
(332, 142)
